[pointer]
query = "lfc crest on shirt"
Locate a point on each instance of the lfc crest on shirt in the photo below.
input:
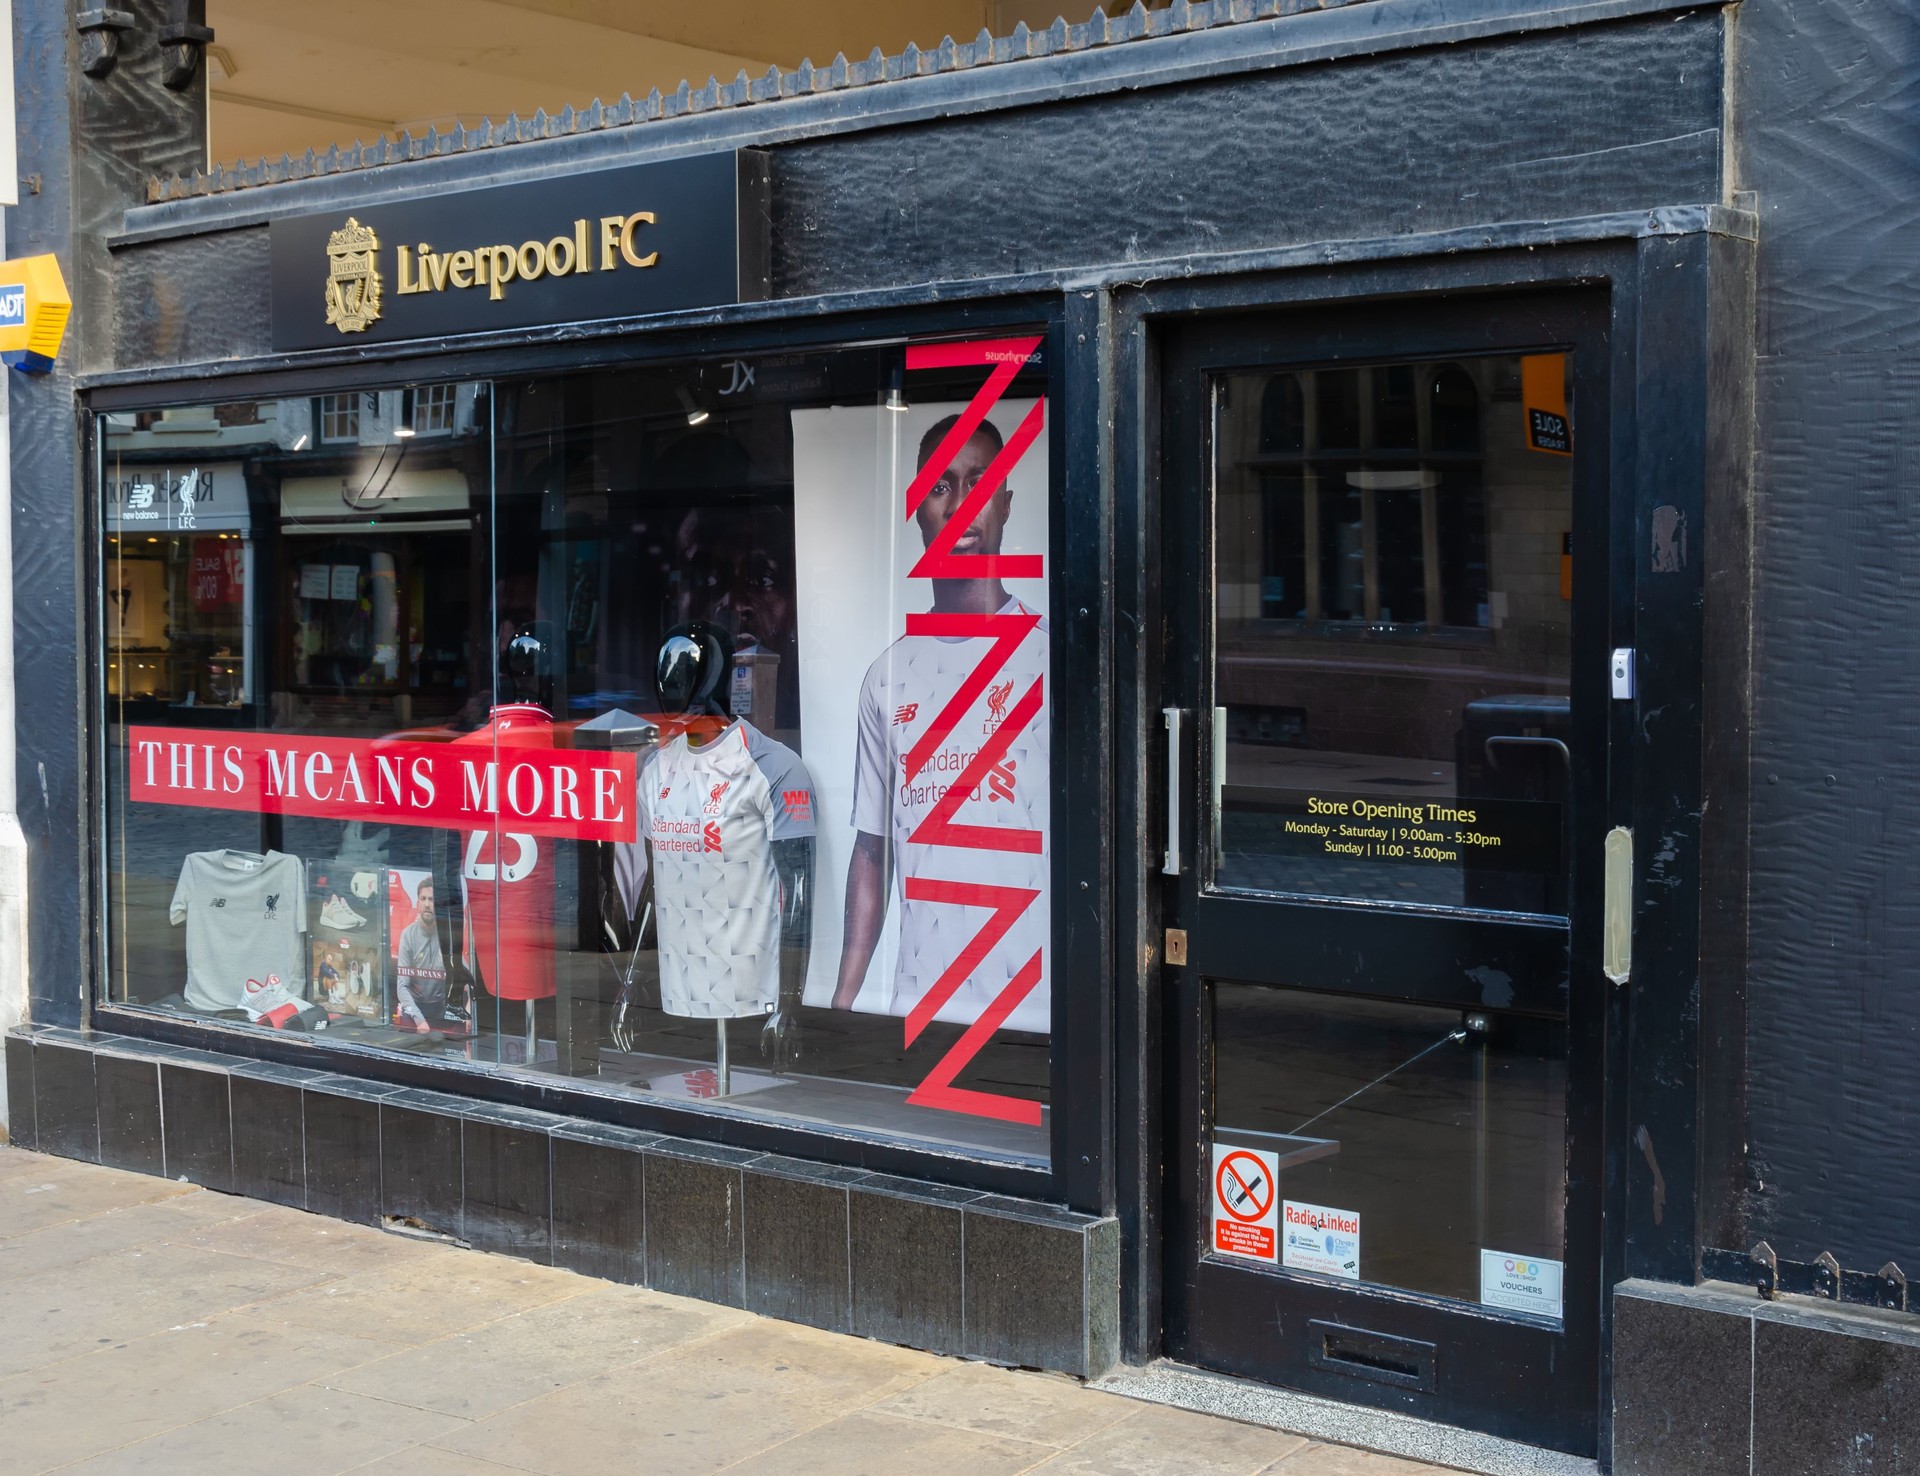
(997, 699)
(353, 277)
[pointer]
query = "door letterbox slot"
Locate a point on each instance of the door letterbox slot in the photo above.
(1380, 1358)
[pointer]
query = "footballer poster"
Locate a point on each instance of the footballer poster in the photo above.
(921, 554)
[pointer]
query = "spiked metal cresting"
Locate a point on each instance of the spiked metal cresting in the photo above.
(986, 49)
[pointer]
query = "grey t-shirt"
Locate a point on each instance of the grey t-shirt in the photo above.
(246, 917)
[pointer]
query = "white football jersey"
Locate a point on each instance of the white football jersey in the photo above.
(712, 814)
(905, 690)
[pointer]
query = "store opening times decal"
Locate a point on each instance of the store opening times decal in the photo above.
(1478, 833)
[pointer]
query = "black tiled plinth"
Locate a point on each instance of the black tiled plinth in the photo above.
(420, 1177)
(694, 1232)
(20, 1092)
(1025, 1287)
(1682, 1382)
(1826, 1400)
(269, 1157)
(507, 1201)
(906, 1270)
(343, 1155)
(1103, 1297)
(199, 1130)
(66, 1119)
(796, 1249)
(128, 1094)
(887, 1257)
(1711, 1380)
(599, 1218)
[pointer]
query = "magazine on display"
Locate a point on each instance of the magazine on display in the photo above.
(347, 906)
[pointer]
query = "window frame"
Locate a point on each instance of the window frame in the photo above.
(1080, 1089)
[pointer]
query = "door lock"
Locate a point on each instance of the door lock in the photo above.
(1176, 951)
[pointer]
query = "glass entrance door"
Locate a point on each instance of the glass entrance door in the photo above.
(1385, 603)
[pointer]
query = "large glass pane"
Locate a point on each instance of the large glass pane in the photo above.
(1392, 605)
(291, 587)
(681, 730)
(1411, 1148)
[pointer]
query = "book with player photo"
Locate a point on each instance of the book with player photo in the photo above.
(425, 995)
(350, 972)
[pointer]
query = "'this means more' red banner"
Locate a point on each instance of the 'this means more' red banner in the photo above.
(458, 786)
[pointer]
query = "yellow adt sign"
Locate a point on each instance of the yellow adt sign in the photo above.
(34, 306)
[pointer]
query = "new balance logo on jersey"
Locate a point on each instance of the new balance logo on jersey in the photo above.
(1000, 781)
(712, 836)
(799, 803)
(665, 790)
(997, 699)
(906, 712)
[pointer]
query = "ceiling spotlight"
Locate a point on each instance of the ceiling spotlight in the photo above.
(696, 414)
(404, 429)
(896, 392)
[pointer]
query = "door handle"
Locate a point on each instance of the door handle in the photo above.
(1518, 740)
(1170, 863)
(1616, 941)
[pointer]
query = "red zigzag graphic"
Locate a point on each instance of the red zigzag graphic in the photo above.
(1007, 904)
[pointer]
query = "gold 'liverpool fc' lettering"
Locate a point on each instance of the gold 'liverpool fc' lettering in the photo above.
(423, 269)
(353, 277)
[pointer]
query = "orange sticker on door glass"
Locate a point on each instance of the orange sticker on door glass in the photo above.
(1543, 391)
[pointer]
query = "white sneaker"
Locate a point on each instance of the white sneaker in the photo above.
(336, 915)
(263, 998)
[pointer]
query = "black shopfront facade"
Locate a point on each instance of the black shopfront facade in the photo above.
(1220, 827)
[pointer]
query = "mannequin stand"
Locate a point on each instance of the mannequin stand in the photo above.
(532, 1038)
(721, 1068)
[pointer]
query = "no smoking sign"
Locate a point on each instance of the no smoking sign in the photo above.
(1246, 1206)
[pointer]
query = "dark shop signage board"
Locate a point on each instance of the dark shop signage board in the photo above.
(609, 243)
(1521, 836)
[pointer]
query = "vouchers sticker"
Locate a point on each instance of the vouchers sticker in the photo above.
(1315, 1238)
(1245, 1203)
(1520, 1283)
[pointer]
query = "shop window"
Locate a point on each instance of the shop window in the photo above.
(673, 731)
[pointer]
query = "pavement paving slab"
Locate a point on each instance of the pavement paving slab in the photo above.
(148, 1325)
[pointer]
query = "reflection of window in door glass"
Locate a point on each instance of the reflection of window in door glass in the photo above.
(433, 409)
(1391, 621)
(340, 417)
